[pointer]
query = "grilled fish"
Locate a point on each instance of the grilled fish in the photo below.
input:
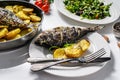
(9, 18)
(62, 35)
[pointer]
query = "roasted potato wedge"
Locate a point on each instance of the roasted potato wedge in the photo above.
(3, 26)
(17, 8)
(3, 32)
(13, 33)
(10, 8)
(17, 36)
(22, 15)
(73, 52)
(35, 18)
(25, 31)
(27, 10)
(27, 21)
(84, 44)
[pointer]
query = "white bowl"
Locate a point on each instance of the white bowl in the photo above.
(115, 29)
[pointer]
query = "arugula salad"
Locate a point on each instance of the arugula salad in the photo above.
(89, 9)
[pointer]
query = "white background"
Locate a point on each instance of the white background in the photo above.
(13, 65)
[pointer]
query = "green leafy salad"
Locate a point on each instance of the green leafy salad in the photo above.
(89, 9)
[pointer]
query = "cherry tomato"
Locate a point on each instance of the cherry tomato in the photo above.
(45, 8)
(39, 3)
(39, 0)
(46, 1)
(43, 4)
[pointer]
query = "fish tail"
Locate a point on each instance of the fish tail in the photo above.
(96, 28)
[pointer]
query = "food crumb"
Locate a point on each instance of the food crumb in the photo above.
(118, 44)
(106, 38)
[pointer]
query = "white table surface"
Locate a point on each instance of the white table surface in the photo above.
(13, 65)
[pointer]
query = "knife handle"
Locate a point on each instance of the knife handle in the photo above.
(38, 66)
(38, 60)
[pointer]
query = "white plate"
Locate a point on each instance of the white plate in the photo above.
(97, 42)
(114, 11)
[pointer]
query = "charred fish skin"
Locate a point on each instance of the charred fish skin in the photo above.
(9, 18)
(62, 35)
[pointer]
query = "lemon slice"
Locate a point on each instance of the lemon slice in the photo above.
(59, 53)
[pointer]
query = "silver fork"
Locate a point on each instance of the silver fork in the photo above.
(85, 59)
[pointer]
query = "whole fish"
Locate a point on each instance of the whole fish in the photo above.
(9, 18)
(62, 35)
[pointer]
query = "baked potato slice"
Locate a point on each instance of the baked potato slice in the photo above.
(17, 36)
(27, 21)
(72, 52)
(25, 31)
(28, 10)
(13, 33)
(22, 15)
(84, 44)
(10, 8)
(35, 18)
(17, 8)
(3, 32)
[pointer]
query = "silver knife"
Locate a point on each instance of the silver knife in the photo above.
(43, 65)
(42, 60)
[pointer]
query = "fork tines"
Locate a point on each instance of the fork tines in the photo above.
(95, 55)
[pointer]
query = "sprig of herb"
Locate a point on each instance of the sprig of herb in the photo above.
(53, 47)
(64, 46)
(67, 44)
(51, 1)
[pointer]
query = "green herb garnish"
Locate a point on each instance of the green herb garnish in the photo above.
(67, 44)
(51, 1)
(53, 47)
